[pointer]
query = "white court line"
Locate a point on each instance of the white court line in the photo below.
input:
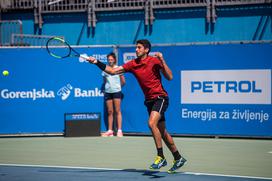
(223, 175)
(59, 166)
(117, 169)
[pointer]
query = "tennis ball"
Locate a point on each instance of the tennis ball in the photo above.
(5, 73)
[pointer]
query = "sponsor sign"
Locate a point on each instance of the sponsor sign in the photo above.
(64, 93)
(226, 87)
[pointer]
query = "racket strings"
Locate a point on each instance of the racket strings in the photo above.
(58, 48)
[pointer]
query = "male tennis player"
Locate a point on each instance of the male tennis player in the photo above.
(147, 70)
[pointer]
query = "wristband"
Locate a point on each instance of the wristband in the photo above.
(100, 65)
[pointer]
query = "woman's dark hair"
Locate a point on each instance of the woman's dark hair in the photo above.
(112, 55)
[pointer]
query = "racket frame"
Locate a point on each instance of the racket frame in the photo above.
(65, 44)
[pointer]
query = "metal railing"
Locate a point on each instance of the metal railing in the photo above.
(178, 3)
(11, 34)
(240, 2)
(16, 4)
(92, 6)
(7, 28)
(65, 6)
(30, 40)
(106, 5)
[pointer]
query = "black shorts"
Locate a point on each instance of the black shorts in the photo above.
(116, 95)
(160, 104)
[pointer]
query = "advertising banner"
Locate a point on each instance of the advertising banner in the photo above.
(40, 89)
(220, 90)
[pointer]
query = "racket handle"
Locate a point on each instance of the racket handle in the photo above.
(84, 56)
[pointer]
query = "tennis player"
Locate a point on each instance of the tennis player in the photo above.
(147, 71)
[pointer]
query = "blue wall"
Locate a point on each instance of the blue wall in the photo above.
(170, 26)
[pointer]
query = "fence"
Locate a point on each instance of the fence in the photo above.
(93, 6)
(82, 5)
(7, 28)
(30, 40)
(11, 34)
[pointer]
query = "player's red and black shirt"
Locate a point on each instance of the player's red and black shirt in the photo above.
(147, 72)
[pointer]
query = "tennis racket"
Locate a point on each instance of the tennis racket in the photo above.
(59, 48)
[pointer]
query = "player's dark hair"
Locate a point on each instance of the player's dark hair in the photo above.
(145, 43)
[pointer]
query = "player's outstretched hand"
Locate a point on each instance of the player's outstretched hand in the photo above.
(92, 60)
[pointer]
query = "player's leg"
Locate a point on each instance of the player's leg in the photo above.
(167, 138)
(159, 106)
(160, 161)
(153, 126)
(117, 110)
(179, 161)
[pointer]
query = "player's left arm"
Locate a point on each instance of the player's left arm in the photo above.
(165, 69)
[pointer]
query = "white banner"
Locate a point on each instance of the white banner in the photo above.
(226, 86)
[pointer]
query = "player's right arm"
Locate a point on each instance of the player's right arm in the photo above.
(106, 68)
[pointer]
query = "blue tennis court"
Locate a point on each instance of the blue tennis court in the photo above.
(44, 173)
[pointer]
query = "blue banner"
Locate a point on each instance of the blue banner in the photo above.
(217, 90)
(40, 89)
